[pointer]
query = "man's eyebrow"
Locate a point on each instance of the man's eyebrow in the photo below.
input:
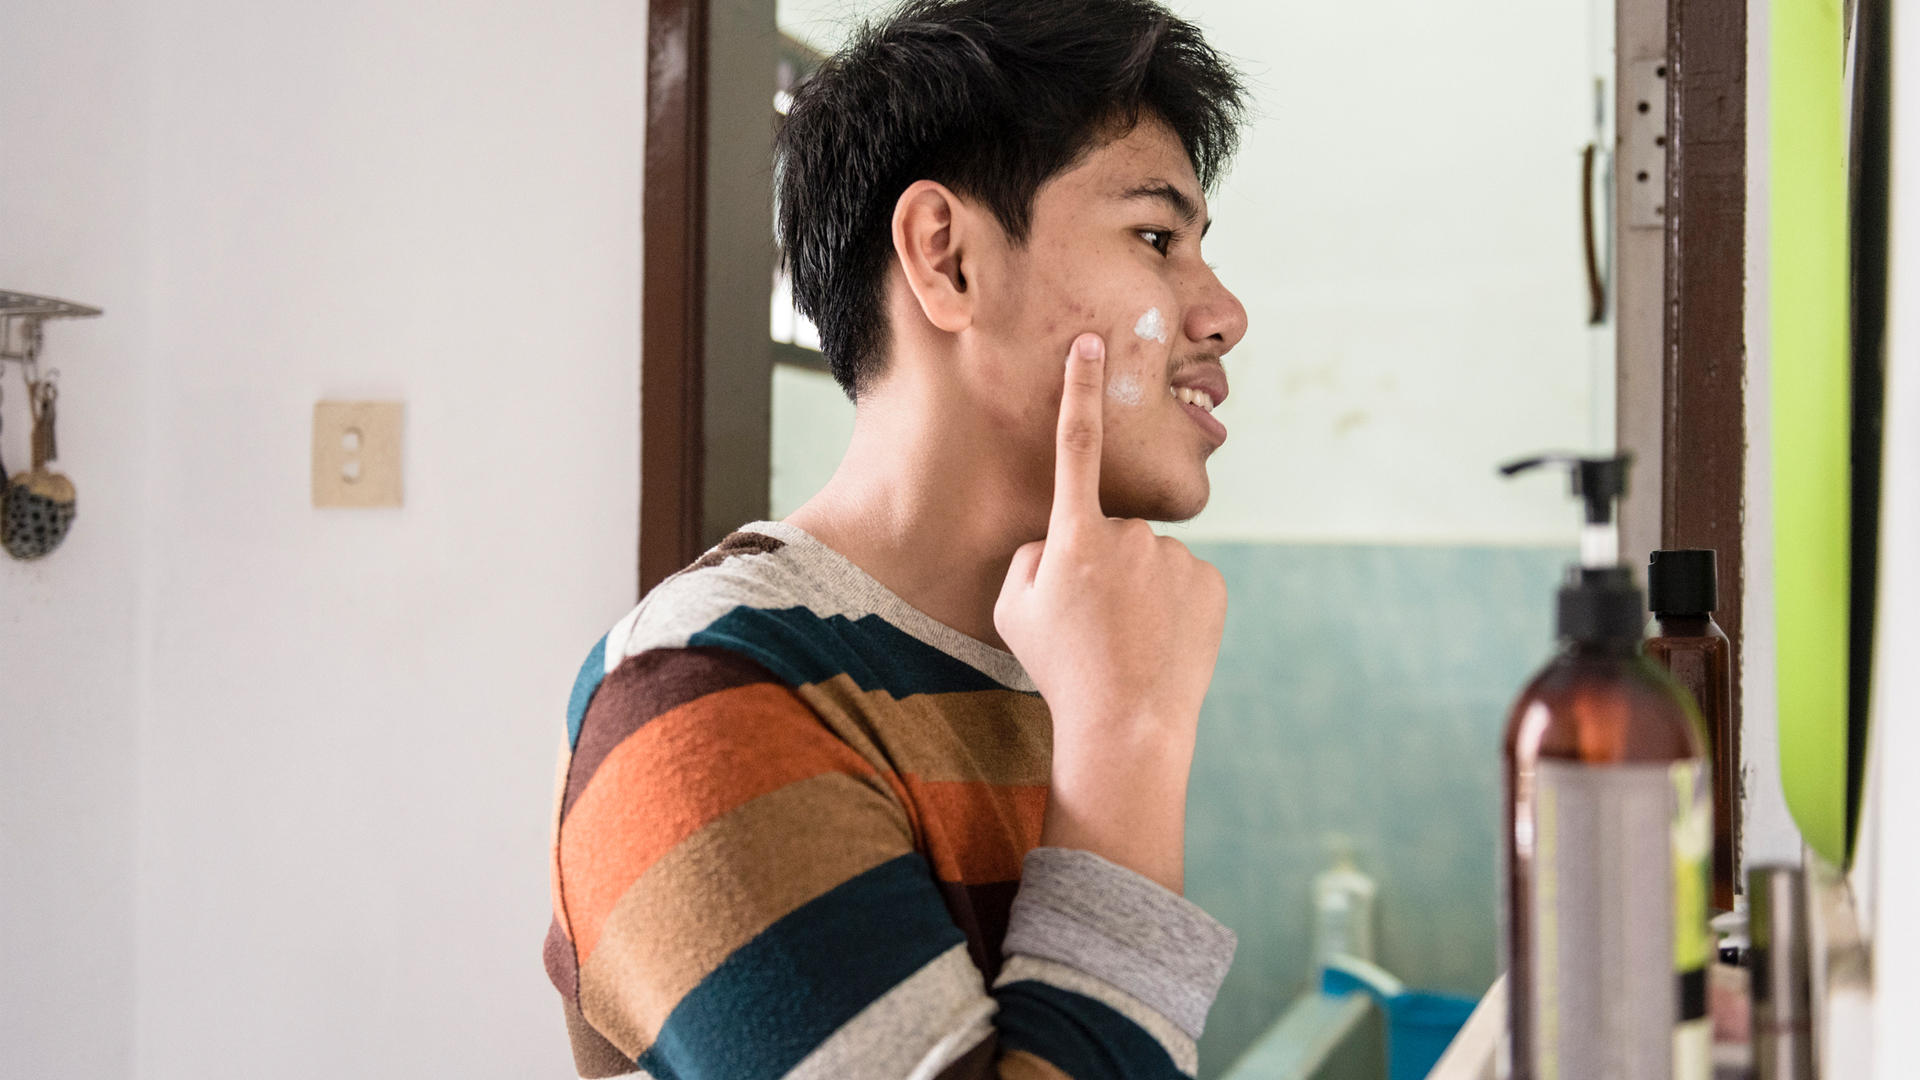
(1176, 200)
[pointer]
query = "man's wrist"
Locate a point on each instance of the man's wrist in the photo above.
(1123, 735)
(1146, 839)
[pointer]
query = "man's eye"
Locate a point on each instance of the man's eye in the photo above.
(1159, 238)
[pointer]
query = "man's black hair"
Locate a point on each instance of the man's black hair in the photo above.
(991, 98)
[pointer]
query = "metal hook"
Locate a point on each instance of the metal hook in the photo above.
(28, 312)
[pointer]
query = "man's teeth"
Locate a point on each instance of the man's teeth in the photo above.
(1190, 396)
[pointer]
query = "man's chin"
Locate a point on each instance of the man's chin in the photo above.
(1164, 504)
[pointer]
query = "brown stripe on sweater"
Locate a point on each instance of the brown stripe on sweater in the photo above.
(981, 912)
(1003, 736)
(593, 1056)
(563, 967)
(722, 887)
(643, 687)
(740, 543)
(1000, 737)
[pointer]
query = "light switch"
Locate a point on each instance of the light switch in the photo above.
(356, 453)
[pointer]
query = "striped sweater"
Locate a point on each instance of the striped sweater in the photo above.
(796, 836)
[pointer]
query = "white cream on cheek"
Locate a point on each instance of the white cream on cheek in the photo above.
(1125, 389)
(1151, 327)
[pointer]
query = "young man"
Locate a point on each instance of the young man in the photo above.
(896, 787)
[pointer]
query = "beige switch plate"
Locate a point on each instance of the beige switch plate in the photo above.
(356, 452)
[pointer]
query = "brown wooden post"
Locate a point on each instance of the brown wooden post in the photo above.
(1704, 444)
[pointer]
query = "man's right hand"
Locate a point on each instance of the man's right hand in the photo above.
(1119, 628)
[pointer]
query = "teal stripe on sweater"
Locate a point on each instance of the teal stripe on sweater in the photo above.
(592, 673)
(1084, 1038)
(801, 648)
(782, 994)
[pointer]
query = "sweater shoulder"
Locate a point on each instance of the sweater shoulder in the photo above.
(776, 596)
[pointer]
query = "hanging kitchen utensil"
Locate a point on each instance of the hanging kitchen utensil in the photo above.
(36, 505)
(39, 504)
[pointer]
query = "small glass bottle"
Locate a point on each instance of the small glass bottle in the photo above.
(1683, 591)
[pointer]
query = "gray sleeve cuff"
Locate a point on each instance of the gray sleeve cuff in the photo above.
(1078, 909)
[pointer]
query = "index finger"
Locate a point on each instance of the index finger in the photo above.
(1076, 454)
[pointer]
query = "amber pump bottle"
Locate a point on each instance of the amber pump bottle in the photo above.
(1608, 830)
(1683, 591)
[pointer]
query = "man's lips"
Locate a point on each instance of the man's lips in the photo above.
(1215, 431)
(1208, 376)
(1211, 379)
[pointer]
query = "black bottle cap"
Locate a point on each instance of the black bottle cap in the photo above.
(1682, 581)
(1601, 606)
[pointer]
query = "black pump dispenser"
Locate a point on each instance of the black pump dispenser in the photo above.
(1601, 607)
(1599, 604)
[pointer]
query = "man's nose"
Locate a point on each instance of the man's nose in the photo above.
(1215, 316)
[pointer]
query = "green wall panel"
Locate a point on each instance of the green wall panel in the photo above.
(1810, 412)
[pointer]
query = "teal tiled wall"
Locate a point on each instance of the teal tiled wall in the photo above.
(1362, 690)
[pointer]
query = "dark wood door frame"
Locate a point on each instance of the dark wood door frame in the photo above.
(1704, 435)
(673, 289)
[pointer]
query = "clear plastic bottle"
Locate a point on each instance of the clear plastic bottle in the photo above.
(1342, 910)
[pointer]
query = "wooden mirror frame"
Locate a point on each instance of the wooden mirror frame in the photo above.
(705, 398)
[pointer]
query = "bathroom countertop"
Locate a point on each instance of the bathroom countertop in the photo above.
(1319, 1037)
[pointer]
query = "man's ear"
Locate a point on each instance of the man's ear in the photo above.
(929, 233)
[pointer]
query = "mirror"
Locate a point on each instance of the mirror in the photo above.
(1418, 223)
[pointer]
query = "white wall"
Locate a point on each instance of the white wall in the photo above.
(334, 729)
(72, 223)
(1896, 735)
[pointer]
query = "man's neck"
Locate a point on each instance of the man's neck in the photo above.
(931, 501)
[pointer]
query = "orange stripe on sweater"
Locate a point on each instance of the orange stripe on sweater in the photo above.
(974, 831)
(686, 768)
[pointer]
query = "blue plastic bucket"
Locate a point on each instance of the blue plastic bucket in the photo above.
(1419, 1028)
